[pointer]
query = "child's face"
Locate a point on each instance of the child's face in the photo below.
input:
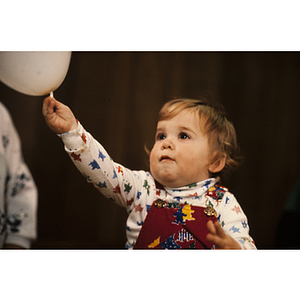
(180, 155)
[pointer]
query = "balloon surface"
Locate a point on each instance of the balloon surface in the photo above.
(34, 73)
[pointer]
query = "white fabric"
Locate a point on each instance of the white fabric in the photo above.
(18, 193)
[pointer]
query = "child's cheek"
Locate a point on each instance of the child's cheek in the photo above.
(151, 159)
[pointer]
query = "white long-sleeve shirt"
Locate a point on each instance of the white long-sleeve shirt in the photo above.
(18, 192)
(137, 190)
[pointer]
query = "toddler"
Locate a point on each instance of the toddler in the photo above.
(178, 204)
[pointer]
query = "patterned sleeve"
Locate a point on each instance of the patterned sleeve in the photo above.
(112, 179)
(234, 221)
(19, 218)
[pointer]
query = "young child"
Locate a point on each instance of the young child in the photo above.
(178, 204)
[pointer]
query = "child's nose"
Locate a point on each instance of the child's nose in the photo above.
(167, 144)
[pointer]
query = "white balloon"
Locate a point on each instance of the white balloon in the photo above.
(35, 73)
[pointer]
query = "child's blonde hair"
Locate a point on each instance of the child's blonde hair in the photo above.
(219, 131)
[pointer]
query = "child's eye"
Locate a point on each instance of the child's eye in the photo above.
(161, 136)
(183, 136)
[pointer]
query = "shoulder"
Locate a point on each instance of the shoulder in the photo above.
(220, 194)
(6, 122)
(2, 107)
(217, 192)
(5, 115)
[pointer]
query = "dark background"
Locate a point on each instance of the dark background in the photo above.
(117, 95)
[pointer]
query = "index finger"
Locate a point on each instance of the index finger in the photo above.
(48, 106)
(219, 230)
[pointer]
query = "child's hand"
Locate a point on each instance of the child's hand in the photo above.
(58, 116)
(218, 237)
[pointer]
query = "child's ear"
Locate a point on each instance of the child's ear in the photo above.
(218, 165)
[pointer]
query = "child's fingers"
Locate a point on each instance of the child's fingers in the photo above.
(211, 227)
(214, 239)
(44, 108)
(219, 230)
(219, 238)
(215, 228)
(48, 106)
(216, 234)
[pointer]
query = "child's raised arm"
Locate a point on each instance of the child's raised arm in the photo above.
(58, 116)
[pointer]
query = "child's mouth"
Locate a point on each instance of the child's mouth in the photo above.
(166, 158)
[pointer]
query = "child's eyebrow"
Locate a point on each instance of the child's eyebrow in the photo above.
(183, 128)
(160, 128)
